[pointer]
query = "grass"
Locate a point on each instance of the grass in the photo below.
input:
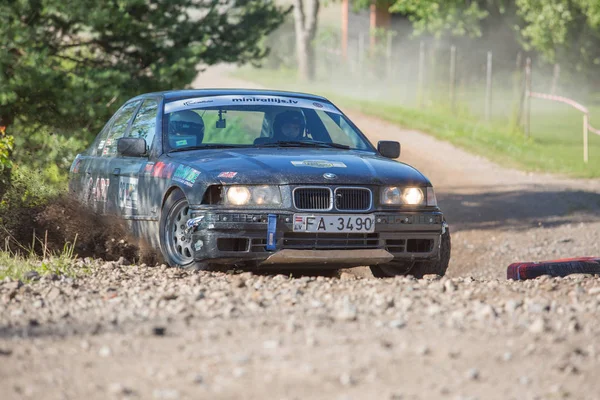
(16, 265)
(555, 144)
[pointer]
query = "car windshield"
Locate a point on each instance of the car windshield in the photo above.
(258, 121)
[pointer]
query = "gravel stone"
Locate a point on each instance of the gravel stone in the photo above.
(104, 351)
(473, 374)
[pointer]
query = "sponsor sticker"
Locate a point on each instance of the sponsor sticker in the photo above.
(227, 175)
(181, 142)
(98, 189)
(197, 101)
(162, 170)
(101, 144)
(186, 175)
(128, 192)
(232, 100)
(148, 168)
(318, 164)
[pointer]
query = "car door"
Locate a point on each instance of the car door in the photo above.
(104, 190)
(81, 182)
(131, 174)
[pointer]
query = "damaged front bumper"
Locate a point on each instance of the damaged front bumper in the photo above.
(268, 239)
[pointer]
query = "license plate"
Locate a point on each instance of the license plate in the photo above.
(334, 223)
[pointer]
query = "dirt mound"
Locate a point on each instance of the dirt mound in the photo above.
(63, 221)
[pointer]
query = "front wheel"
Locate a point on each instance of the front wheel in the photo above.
(175, 240)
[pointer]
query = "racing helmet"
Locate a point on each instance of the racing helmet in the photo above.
(186, 128)
(289, 125)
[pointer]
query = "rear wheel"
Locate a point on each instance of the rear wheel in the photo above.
(418, 269)
(175, 241)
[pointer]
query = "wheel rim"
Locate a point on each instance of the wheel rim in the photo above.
(178, 240)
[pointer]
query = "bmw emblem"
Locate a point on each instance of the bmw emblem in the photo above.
(329, 175)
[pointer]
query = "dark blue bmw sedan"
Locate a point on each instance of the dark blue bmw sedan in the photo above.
(261, 179)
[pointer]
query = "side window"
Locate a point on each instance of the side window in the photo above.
(144, 124)
(98, 144)
(118, 128)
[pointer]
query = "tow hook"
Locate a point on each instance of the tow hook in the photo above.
(192, 224)
(444, 227)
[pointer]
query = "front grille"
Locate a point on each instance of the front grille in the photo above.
(330, 241)
(353, 199)
(311, 198)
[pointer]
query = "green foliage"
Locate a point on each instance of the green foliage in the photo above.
(49, 151)
(27, 191)
(66, 65)
(564, 31)
(439, 17)
(6, 148)
(15, 264)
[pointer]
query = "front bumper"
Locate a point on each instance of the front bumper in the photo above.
(232, 237)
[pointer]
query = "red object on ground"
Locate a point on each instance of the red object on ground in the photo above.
(529, 270)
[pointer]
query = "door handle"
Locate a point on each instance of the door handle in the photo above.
(117, 171)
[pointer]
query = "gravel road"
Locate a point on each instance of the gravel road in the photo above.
(152, 332)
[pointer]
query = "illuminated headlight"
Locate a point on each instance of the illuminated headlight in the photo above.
(413, 196)
(393, 195)
(253, 195)
(238, 195)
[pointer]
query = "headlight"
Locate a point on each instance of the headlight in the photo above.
(253, 195)
(413, 196)
(393, 195)
(266, 195)
(238, 195)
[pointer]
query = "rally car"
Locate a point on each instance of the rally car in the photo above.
(262, 179)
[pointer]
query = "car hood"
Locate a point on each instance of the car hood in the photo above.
(297, 166)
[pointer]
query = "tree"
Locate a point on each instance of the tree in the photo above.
(561, 31)
(564, 31)
(68, 64)
(305, 22)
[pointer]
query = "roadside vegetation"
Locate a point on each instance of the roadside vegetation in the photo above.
(457, 71)
(65, 68)
(555, 144)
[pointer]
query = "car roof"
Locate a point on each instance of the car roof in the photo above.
(171, 95)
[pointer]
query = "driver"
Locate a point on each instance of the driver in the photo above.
(289, 125)
(186, 128)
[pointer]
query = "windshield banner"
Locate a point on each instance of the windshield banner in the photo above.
(219, 101)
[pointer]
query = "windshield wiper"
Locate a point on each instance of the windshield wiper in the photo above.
(208, 146)
(293, 143)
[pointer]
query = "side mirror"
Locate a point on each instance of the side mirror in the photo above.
(131, 147)
(388, 148)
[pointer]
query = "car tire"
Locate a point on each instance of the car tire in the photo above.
(175, 244)
(391, 269)
(418, 268)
